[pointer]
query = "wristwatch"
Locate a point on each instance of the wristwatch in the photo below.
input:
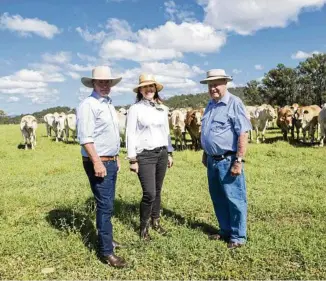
(239, 160)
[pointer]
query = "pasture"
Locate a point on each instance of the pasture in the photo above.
(47, 218)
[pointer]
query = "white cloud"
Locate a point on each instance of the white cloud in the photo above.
(119, 29)
(177, 13)
(13, 99)
(303, 55)
(45, 67)
(73, 75)
(259, 67)
(121, 49)
(57, 58)
(236, 71)
(80, 68)
(185, 37)
(174, 69)
(27, 26)
(31, 84)
(86, 57)
(246, 17)
(89, 37)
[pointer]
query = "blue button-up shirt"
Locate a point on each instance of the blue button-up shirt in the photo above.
(222, 123)
(97, 123)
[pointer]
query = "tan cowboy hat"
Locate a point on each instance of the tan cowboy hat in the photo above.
(148, 79)
(100, 73)
(216, 74)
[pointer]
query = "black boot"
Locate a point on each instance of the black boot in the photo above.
(144, 235)
(157, 226)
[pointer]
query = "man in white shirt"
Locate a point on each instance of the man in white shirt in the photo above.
(98, 134)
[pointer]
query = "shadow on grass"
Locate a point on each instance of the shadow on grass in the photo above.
(125, 212)
(68, 220)
(22, 146)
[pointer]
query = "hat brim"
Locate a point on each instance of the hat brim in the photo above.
(159, 87)
(88, 82)
(205, 81)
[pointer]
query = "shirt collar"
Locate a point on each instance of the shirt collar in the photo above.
(100, 98)
(225, 99)
(151, 103)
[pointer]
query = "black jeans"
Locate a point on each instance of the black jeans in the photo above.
(151, 173)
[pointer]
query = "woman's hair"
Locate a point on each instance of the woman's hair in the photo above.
(156, 97)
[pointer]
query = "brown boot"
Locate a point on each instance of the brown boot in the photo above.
(115, 261)
(144, 235)
(157, 226)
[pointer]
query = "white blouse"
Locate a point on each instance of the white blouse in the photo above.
(147, 128)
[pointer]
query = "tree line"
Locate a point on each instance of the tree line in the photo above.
(304, 84)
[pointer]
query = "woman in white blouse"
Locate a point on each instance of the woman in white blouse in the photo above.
(149, 150)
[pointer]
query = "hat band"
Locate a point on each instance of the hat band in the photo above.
(147, 81)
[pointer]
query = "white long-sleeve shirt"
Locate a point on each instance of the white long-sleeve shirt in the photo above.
(147, 128)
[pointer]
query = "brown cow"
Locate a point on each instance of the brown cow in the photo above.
(193, 125)
(284, 120)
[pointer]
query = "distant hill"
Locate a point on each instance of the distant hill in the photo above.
(197, 100)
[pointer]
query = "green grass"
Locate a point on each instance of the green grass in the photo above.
(47, 216)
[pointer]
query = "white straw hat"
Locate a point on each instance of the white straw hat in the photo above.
(100, 73)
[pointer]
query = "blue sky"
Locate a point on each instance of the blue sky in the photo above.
(47, 46)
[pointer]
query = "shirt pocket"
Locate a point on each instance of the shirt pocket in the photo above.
(220, 123)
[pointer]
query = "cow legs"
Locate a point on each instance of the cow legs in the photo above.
(322, 135)
(257, 135)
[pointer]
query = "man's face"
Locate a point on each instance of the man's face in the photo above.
(102, 87)
(217, 88)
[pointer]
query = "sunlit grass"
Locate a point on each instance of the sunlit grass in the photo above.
(47, 218)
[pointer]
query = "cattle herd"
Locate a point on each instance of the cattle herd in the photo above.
(290, 119)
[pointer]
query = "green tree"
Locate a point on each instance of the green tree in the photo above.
(253, 93)
(280, 85)
(313, 72)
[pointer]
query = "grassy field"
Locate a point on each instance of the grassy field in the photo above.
(47, 216)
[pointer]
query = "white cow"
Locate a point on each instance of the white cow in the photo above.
(260, 118)
(28, 126)
(49, 120)
(122, 120)
(71, 125)
(60, 125)
(178, 126)
(322, 124)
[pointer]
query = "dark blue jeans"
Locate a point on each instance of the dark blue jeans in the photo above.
(229, 198)
(104, 192)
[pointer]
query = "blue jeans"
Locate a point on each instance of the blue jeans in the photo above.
(104, 192)
(228, 194)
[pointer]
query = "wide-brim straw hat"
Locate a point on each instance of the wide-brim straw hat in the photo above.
(100, 73)
(216, 74)
(148, 79)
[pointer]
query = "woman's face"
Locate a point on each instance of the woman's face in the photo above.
(148, 91)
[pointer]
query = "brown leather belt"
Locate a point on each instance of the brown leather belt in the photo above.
(103, 158)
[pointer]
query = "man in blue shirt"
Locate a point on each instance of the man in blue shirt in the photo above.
(224, 139)
(98, 134)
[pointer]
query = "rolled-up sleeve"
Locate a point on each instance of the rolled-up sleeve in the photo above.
(241, 122)
(131, 132)
(85, 123)
(167, 128)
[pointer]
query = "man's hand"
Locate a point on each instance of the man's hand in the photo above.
(170, 161)
(236, 169)
(100, 170)
(134, 167)
(118, 164)
(204, 159)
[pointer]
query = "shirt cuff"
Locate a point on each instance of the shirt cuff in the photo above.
(85, 140)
